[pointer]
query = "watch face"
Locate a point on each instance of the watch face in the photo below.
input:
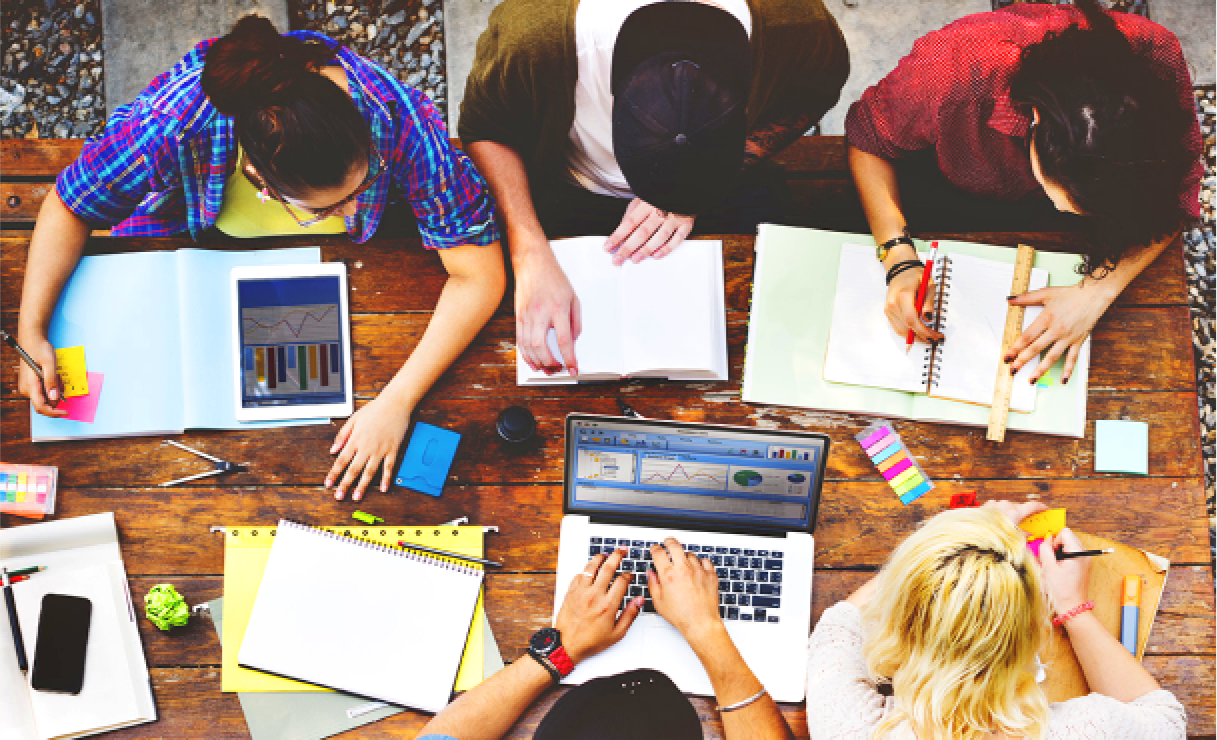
(545, 641)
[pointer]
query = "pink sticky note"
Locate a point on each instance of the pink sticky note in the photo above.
(84, 408)
(1032, 545)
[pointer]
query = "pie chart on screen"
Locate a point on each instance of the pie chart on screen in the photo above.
(747, 478)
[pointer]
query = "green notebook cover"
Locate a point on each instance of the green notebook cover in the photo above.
(794, 283)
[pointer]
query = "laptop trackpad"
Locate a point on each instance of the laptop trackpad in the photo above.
(667, 650)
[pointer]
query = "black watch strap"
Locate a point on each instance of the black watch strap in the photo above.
(882, 250)
(554, 673)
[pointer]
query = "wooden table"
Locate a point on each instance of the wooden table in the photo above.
(1142, 369)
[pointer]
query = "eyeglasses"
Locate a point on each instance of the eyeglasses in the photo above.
(375, 167)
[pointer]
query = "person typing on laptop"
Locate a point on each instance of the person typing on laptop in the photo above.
(943, 644)
(636, 705)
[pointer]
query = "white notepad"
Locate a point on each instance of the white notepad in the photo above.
(970, 312)
(659, 318)
(361, 618)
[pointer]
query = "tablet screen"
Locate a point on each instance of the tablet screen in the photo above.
(291, 341)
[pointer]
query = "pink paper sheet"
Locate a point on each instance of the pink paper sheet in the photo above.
(84, 408)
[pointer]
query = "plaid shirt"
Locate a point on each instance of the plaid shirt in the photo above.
(952, 94)
(161, 164)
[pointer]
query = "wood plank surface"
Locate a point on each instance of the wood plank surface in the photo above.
(37, 157)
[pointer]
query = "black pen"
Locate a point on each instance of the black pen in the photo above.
(1062, 555)
(12, 620)
(448, 554)
(8, 339)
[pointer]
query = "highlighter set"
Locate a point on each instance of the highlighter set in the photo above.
(27, 490)
(885, 449)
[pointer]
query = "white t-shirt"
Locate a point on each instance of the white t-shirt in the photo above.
(591, 164)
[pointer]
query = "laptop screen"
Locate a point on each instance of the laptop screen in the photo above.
(757, 479)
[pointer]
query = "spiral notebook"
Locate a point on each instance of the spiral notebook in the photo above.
(360, 617)
(969, 309)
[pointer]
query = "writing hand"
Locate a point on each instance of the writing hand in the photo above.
(588, 618)
(645, 231)
(368, 442)
(45, 400)
(545, 299)
(1069, 315)
(901, 306)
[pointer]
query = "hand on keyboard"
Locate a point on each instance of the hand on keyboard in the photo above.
(589, 619)
(684, 588)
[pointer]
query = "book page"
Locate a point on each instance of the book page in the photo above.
(974, 318)
(671, 311)
(123, 309)
(596, 282)
(862, 347)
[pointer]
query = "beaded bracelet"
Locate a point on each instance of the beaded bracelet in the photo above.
(1060, 619)
(900, 267)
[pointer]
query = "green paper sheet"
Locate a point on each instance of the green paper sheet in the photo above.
(289, 715)
(792, 303)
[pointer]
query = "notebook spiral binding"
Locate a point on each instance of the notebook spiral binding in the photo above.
(408, 554)
(934, 355)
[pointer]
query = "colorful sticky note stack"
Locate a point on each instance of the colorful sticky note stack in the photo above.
(28, 490)
(885, 449)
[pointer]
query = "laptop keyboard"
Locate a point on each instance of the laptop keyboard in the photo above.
(749, 581)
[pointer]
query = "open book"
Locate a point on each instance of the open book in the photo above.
(969, 308)
(157, 325)
(794, 289)
(659, 318)
(82, 559)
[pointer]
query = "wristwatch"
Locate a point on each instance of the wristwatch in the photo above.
(546, 648)
(882, 250)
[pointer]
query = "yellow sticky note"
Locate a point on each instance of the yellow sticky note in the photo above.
(70, 366)
(1044, 524)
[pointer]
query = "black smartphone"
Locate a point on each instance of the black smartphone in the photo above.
(63, 639)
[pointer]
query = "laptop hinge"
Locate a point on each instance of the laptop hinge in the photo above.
(709, 527)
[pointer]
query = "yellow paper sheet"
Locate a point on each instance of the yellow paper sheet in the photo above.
(246, 550)
(70, 366)
(1044, 524)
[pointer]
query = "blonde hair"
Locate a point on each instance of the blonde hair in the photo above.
(958, 616)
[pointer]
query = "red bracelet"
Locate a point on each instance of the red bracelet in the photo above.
(1060, 619)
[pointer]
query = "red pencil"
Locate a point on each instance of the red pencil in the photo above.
(921, 291)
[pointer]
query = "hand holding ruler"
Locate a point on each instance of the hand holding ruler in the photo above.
(1000, 411)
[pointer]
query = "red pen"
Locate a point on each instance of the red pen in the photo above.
(921, 291)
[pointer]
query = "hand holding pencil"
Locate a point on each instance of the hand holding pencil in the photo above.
(37, 378)
(901, 305)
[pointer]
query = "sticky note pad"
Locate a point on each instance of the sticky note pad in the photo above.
(84, 408)
(70, 366)
(1044, 524)
(1121, 447)
(898, 468)
(915, 493)
(424, 467)
(871, 438)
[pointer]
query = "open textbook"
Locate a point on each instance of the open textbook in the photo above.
(82, 559)
(969, 309)
(794, 289)
(659, 318)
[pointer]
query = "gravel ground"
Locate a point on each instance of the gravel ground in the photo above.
(1200, 249)
(51, 79)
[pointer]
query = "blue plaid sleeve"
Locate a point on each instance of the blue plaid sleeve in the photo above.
(451, 201)
(116, 171)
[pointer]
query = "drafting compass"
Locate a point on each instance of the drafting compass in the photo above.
(219, 466)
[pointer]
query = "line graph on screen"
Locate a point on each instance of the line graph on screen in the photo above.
(307, 323)
(669, 471)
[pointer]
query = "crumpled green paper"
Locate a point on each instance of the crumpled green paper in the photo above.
(165, 607)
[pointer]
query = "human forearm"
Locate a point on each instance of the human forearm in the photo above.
(468, 300)
(55, 246)
(1108, 666)
(879, 192)
(488, 710)
(507, 176)
(733, 681)
(1128, 268)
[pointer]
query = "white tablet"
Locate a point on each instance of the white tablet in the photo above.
(292, 342)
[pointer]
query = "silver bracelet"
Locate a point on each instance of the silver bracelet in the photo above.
(745, 702)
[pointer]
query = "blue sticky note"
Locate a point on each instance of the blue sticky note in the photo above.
(424, 467)
(915, 493)
(1121, 447)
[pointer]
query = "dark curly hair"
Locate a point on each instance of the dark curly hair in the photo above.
(298, 129)
(1111, 133)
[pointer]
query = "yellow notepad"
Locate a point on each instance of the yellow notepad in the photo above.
(246, 550)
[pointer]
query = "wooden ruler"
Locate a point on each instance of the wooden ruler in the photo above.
(1000, 411)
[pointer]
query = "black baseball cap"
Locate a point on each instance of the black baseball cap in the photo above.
(636, 705)
(680, 82)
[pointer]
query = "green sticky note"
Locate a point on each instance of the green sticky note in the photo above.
(1121, 447)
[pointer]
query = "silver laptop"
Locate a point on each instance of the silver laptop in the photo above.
(745, 498)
